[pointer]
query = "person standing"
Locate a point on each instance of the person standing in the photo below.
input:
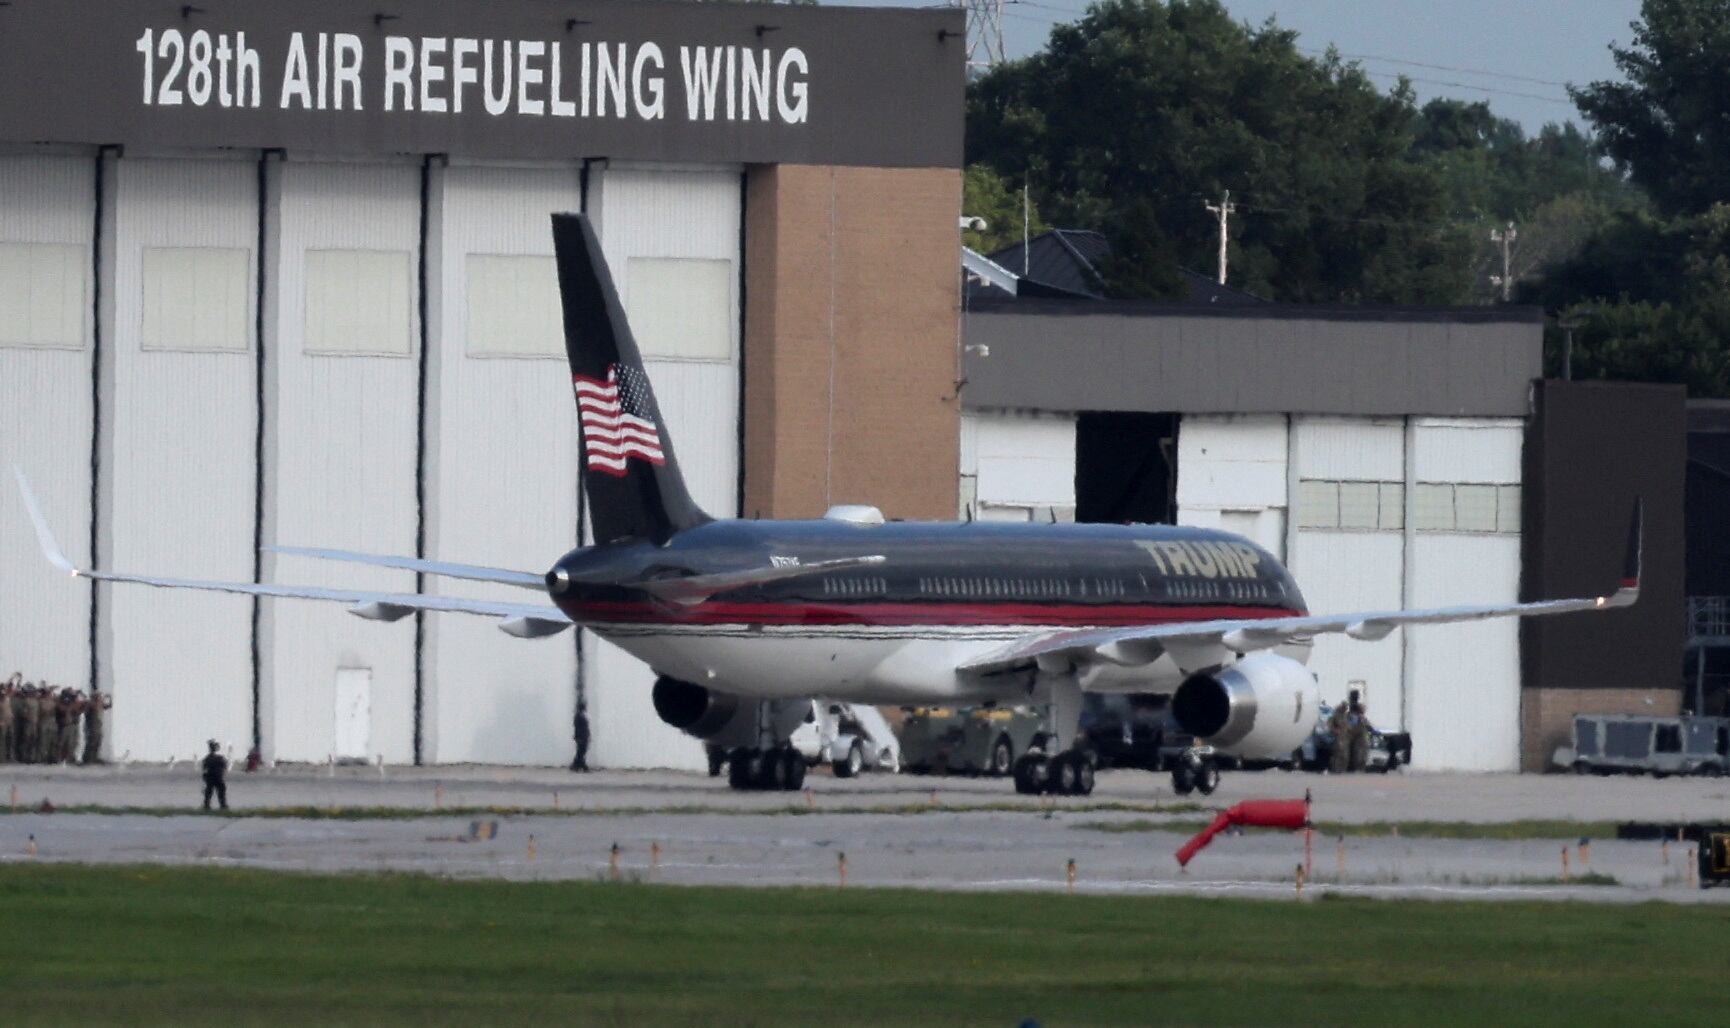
(215, 767)
(1360, 735)
(1339, 732)
(581, 763)
(93, 710)
(47, 738)
(67, 714)
(27, 735)
(6, 721)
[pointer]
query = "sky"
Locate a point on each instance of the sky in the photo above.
(1517, 54)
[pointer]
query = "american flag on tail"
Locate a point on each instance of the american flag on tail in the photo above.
(616, 421)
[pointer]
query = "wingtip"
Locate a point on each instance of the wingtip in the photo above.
(44, 536)
(1631, 559)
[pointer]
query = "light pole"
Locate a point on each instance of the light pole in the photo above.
(1575, 318)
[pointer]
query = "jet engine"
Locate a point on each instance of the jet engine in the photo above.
(1262, 707)
(722, 718)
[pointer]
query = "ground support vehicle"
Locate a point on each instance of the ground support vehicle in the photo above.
(1139, 732)
(1636, 744)
(1389, 751)
(849, 737)
(969, 740)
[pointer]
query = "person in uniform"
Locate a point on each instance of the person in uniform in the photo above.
(14, 743)
(47, 733)
(215, 767)
(1339, 729)
(581, 763)
(6, 719)
(1360, 735)
(66, 717)
(27, 736)
(93, 709)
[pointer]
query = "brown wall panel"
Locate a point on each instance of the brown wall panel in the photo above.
(852, 295)
(1592, 448)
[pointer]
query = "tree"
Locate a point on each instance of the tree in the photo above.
(988, 196)
(1669, 123)
(1136, 115)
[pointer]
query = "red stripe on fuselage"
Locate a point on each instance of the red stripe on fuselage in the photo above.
(898, 614)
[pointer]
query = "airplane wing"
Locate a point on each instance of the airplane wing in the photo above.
(524, 620)
(473, 572)
(1141, 644)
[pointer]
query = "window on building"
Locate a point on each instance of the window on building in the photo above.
(42, 297)
(1360, 504)
(1507, 508)
(196, 298)
(1433, 507)
(513, 306)
(1475, 508)
(358, 302)
(681, 308)
(1318, 504)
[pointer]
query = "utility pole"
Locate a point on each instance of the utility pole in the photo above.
(1223, 210)
(1505, 238)
(1568, 322)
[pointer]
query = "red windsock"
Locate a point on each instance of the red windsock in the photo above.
(1291, 814)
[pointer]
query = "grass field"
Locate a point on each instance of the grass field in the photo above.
(154, 945)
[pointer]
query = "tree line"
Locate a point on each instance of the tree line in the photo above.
(1137, 115)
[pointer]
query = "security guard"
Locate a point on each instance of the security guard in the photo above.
(215, 767)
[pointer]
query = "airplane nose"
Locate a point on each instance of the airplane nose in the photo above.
(559, 580)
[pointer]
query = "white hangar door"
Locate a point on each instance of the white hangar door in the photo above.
(179, 427)
(47, 224)
(501, 460)
(672, 240)
(1349, 554)
(1465, 679)
(342, 423)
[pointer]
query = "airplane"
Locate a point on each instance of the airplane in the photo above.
(743, 621)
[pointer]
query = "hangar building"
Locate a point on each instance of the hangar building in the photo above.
(280, 275)
(1392, 456)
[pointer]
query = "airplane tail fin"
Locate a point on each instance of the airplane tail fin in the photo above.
(629, 472)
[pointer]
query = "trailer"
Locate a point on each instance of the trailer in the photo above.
(1607, 744)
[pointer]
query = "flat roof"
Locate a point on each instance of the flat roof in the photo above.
(1071, 356)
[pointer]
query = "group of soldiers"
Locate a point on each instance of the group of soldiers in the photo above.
(39, 723)
(1350, 728)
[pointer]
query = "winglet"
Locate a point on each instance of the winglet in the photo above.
(1628, 589)
(44, 537)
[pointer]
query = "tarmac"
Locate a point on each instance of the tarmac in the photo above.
(877, 830)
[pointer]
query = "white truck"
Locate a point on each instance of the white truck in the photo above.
(850, 737)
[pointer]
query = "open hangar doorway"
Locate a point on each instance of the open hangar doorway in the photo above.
(1126, 467)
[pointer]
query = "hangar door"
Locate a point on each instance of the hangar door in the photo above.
(671, 238)
(1126, 467)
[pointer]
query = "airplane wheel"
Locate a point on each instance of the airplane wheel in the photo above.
(793, 775)
(1083, 775)
(1065, 777)
(739, 769)
(1207, 779)
(1182, 781)
(1002, 757)
(1030, 773)
(772, 772)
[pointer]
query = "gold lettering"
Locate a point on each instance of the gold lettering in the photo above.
(1205, 564)
(1153, 552)
(1181, 564)
(1250, 559)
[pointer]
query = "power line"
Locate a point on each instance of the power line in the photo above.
(1436, 67)
(1467, 85)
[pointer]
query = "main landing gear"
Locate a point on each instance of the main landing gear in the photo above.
(1070, 773)
(779, 769)
(1194, 772)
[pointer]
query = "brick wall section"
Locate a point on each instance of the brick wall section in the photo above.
(1547, 716)
(851, 318)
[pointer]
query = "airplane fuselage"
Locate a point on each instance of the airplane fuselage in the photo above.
(944, 594)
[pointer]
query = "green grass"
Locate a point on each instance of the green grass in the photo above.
(193, 946)
(339, 813)
(1508, 830)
